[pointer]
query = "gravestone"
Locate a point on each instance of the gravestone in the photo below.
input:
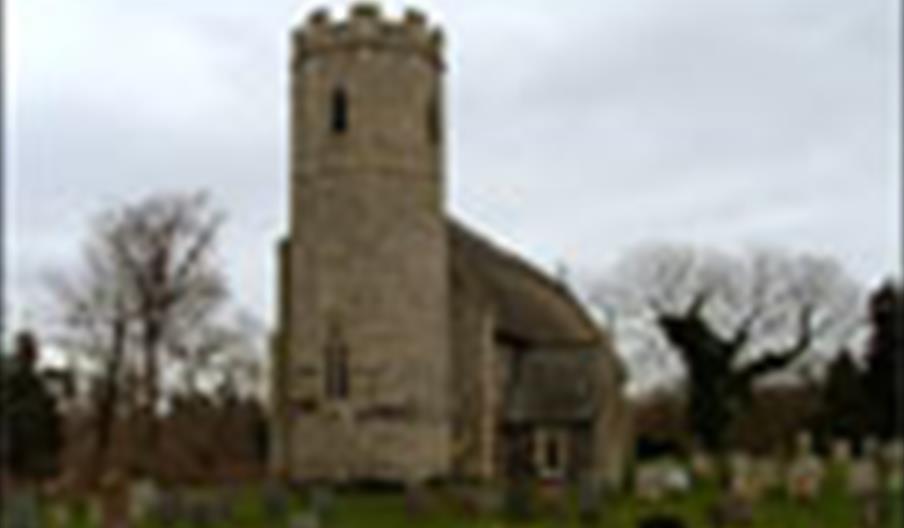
(463, 498)
(95, 507)
(675, 478)
(766, 476)
(276, 500)
(518, 503)
(864, 485)
(196, 511)
(114, 500)
(553, 496)
(863, 477)
(742, 481)
(305, 520)
(416, 500)
(805, 473)
(490, 500)
(322, 501)
(893, 453)
(731, 510)
(223, 506)
(142, 499)
(893, 458)
(20, 509)
(870, 446)
(841, 452)
(480, 500)
(648, 483)
(702, 467)
(590, 499)
(168, 511)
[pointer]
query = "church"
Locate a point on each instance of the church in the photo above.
(409, 347)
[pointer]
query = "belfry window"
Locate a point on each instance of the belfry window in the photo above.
(336, 363)
(339, 111)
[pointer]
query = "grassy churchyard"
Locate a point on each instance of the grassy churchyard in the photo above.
(448, 507)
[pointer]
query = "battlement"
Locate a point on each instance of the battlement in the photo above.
(366, 27)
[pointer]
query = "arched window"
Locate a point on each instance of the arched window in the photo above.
(336, 363)
(339, 111)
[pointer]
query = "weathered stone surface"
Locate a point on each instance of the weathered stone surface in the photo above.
(393, 349)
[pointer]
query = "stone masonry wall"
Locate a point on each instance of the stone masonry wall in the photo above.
(368, 251)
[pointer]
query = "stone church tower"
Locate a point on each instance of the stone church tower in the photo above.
(364, 275)
(407, 345)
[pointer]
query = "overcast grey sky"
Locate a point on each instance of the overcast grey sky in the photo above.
(579, 128)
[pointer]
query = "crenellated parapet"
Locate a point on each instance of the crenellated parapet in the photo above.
(367, 27)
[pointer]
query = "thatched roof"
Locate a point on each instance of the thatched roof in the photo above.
(554, 386)
(531, 307)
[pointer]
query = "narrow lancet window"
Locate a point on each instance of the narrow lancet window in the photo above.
(339, 111)
(336, 352)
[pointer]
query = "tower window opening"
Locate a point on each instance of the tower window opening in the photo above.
(339, 111)
(336, 371)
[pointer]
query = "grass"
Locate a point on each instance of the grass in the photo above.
(833, 509)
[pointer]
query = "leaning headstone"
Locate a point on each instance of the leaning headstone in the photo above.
(20, 509)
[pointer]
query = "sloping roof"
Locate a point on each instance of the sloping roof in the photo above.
(553, 386)
(530, 306)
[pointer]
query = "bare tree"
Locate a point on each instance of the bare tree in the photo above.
(223, 355)
(728, 320)
(91, 305)
(149, 274)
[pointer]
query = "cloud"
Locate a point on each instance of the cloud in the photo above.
(577, 131)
